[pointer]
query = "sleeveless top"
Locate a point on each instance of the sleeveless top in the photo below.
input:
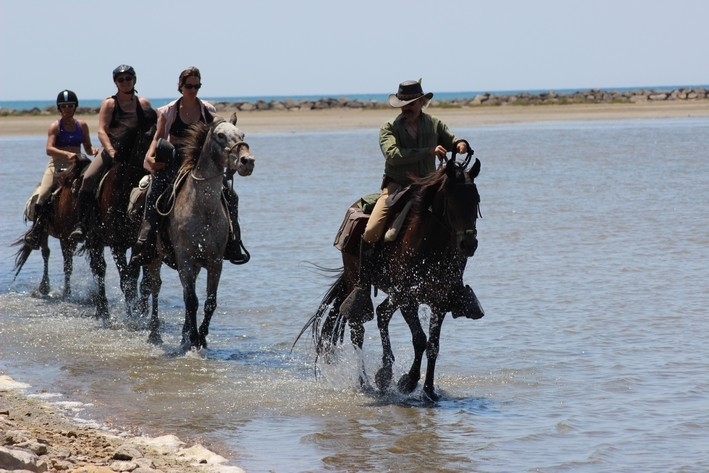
(178, 129)
(70, 139)
(124, 126)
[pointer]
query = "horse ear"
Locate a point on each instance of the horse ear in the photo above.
(475, 170)
(233, 119)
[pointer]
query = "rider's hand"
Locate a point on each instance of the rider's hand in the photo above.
(151, 165)
(439, 152)
(462, 147)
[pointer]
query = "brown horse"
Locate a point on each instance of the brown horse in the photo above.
(197, 227)
(112, 226)
(62, 219)
(424, 266)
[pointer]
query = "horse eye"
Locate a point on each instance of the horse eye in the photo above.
(221, 135)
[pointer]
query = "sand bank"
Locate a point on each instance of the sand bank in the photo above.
(290, 121)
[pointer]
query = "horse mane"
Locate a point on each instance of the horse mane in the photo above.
(194, 141)
(425, 188)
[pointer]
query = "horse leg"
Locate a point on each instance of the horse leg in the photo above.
(432, 349)
(44, 284)
(68, 255)
(150, 285)
(97, 263)
(190, 336)
(210, 304)
(128, 277)
(357, 339)
(385, 311)
(407, 383)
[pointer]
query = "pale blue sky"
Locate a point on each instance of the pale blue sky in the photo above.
(334, 48)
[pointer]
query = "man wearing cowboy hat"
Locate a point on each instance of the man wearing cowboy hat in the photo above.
(410, 145)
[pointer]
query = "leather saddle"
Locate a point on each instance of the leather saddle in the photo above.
(350, 233)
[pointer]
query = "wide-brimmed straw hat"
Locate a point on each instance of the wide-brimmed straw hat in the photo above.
(409, 91)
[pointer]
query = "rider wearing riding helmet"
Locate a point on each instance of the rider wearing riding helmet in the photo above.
(65, 138)
(120, 116)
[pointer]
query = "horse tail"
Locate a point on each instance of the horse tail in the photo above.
(330, 331)
(22, 254)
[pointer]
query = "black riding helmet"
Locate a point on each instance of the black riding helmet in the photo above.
(123, 69)
(67, 96)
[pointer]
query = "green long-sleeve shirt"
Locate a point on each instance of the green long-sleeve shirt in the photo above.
(405, 156)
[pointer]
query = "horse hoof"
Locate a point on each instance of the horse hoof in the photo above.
(383, 378)
(406, 384)
(430, 395)
(155, 339)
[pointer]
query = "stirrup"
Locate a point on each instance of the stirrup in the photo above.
(242, 258)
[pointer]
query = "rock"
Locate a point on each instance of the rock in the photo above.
(120, 465)
(126, 452)
(16, 459)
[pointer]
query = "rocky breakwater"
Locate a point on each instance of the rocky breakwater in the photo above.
(590, 96)
(481, 100)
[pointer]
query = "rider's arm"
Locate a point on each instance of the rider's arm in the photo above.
(104, 120)
(88, 147)
(149, 162)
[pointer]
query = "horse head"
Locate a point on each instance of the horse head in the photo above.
(459, 204)
(230, 139)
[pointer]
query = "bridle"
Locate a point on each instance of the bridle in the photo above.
(229, 150)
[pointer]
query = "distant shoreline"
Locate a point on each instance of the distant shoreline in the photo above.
(343, 119)
(442, 100)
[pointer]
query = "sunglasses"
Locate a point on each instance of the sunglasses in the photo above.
(192, 86)
(124, 79)
(67, 105)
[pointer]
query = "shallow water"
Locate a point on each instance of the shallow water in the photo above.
(592, 356)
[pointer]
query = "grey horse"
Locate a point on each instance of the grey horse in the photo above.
(197, 225)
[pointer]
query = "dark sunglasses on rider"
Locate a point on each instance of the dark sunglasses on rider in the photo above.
(192, 86)
(124, 79)
(67, 105)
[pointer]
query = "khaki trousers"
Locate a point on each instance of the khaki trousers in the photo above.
(45, 186)
(380, 214)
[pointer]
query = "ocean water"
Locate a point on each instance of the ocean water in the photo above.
(593, 355)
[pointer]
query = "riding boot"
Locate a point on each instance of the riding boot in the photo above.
(233, 251)
(145, 249)
(358, 304)
(464, 303)
(85, 201)
(39, 226)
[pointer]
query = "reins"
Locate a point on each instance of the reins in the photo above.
(182, 175)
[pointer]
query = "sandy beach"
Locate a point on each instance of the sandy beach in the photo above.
(36, 428)
(288, 121)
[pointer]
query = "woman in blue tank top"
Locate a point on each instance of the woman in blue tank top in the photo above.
(65, 138)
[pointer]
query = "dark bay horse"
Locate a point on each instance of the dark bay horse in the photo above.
(197, 227)
(61, 223)
(423, 266)
(112, 226)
